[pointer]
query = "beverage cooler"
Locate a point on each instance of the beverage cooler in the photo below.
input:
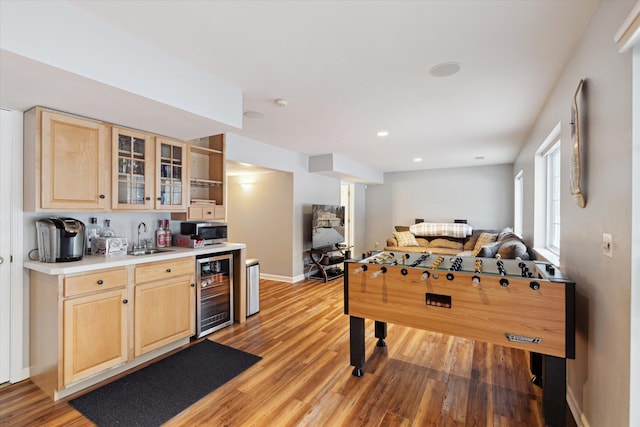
(214, 296)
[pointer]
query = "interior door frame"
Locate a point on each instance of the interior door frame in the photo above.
(11, 224)
(6, 139)
(347, 197)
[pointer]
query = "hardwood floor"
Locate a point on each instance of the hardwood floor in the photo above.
(304, 378)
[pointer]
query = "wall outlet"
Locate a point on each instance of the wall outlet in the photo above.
(607, 245)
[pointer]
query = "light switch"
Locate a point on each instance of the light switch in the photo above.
(607, 245)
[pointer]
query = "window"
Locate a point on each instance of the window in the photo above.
(518, 203)
(546, 216)
(552, 161)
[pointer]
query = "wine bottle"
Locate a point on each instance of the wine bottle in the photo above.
(93, 231)
(107, 231)
(167, 238)
(161, 235)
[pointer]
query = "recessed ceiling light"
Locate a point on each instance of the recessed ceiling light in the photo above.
(254, 114)
(281, 102)
(417, 159)
(383, 133)
(445, 69)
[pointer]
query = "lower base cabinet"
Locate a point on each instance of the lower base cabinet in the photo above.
(95, 334)
(88, 326)
(164, 304)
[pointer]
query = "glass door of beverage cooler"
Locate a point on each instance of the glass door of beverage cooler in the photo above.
(214, 297)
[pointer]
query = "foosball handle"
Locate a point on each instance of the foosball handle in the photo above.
(475, 281)
(379, 272)
(536, 380)
(360, 269)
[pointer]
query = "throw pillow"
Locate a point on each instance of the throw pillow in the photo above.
(490, 250)
(405, 238)
(505, 234)
(513, 248)
(483, 239)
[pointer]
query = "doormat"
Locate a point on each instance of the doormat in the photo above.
(158, 392)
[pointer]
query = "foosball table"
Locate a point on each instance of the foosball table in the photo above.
(527, 305)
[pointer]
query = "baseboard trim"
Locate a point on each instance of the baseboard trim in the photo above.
(578, 415)
(286, 279)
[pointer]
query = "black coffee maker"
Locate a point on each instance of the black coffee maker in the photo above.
(60, 239)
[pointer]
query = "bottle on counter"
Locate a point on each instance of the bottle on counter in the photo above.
(161, 235)
(93, 231)
(107, 231)
(167, 234)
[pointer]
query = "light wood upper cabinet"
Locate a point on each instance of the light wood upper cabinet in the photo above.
(75, 164)
(133, 166)
(171, 174)
(207, 171)
(66, 162)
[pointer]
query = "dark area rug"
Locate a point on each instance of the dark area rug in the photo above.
(158, 392)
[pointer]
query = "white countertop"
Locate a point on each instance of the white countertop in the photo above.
(96, 262)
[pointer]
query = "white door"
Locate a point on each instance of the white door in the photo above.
(5, 242)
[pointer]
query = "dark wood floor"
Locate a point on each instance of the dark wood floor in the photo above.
(304, 378)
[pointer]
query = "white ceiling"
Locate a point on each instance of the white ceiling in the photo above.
(349, 69)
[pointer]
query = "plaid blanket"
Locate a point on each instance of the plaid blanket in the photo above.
(441, 229)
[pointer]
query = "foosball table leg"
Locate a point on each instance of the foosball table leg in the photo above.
(554, 390)
(356, 345)
(381, 333)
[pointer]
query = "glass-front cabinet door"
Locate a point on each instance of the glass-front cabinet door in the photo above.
(133, 165)
(171, 174)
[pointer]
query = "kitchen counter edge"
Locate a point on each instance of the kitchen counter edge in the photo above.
(95, 262)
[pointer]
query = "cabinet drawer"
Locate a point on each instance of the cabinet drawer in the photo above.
(164, 270)
(98, 281)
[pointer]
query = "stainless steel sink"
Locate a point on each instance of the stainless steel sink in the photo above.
(140, 252)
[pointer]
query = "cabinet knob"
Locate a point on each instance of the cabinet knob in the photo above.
(168, 270)
(158, 198)
(102, 196)
(100, 282)
(209, 213)
(193, 285)
(124, 301)
(147, 198)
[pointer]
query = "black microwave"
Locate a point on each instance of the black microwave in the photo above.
(212, 232)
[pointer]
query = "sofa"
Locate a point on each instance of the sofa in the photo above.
(484, 243)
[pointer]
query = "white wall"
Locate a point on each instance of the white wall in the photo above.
(58, 34)
(308, 189)
(482, 195)
(635, 247)
(125, 224)
(260, 214)
(598, 379)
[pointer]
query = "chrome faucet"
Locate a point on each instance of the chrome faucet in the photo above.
(144, 229)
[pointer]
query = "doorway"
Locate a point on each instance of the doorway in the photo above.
(347, 200)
